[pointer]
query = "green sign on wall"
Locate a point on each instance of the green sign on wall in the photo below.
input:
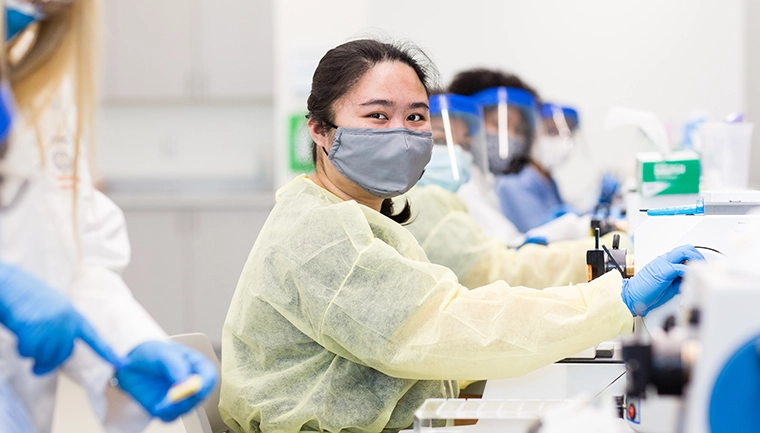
(299, 144)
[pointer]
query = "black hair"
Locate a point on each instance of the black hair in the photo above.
(474, 80)
(342, 67)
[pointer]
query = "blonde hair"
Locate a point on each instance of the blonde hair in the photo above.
(75, 58)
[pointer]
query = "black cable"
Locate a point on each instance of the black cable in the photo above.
(609, 385)
(609, 254)
(708, 249)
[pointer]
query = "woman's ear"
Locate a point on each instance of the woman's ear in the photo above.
(319, 134)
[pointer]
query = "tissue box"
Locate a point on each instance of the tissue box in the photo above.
(678, 173)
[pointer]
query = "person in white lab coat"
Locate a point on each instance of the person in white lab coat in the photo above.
(55, 225)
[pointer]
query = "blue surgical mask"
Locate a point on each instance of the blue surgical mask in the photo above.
(518, 147)
(440, 172)
(18, 16)
(385, 162)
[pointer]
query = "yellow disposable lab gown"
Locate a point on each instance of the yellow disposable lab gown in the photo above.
(339, 321)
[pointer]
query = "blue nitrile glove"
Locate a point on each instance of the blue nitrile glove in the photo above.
(153, 367)
(610, 185)
(659, 281)
(537, 240)
(44, 321)
(559, 210)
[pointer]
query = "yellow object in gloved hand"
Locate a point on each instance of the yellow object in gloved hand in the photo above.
(185, 389)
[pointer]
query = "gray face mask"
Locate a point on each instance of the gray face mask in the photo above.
(385, 162)
(518, 147)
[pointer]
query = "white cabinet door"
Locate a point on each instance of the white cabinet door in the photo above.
(236, 48)
(220, 248)
(158, 273)
(151, 49)
(178, 50)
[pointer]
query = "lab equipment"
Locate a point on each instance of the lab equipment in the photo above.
(599, 261)
(715, 203)
(725, 154)
(701, 374)
(334, 294)
(167, 379)
(505, 415)
(710, 234)
(385, 162)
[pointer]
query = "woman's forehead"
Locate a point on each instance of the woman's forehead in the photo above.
(387, 83)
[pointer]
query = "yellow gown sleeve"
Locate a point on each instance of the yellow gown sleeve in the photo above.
(452, 238)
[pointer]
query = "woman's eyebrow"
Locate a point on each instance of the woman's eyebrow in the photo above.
(383, 102)
(387, 103)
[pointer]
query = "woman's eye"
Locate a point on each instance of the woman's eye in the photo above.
(415, 117)
(378, 116)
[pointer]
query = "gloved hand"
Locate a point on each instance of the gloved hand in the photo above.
(537, 240)
(610, 185)
(44, 321)
(559, 210)
(659, 281)
(153, 367)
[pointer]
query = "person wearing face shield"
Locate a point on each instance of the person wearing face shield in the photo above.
(527, 194)
(63, 244)
(560, 151)
(444, 224)
(517, 105)
(339, 321)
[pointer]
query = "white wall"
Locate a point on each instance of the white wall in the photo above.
(753, 86)
(174, 142)
(666, 56)
(187, 92)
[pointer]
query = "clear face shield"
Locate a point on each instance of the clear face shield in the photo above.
(510, 125)
(34, 29)
(457, 126)
(557, 135)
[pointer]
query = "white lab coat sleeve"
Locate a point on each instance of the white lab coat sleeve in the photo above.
(101, 295)
(568, 227)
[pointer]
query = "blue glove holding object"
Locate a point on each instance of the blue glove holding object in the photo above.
(659, 281)
(44, 321)
(152, 368)
(610, 185)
